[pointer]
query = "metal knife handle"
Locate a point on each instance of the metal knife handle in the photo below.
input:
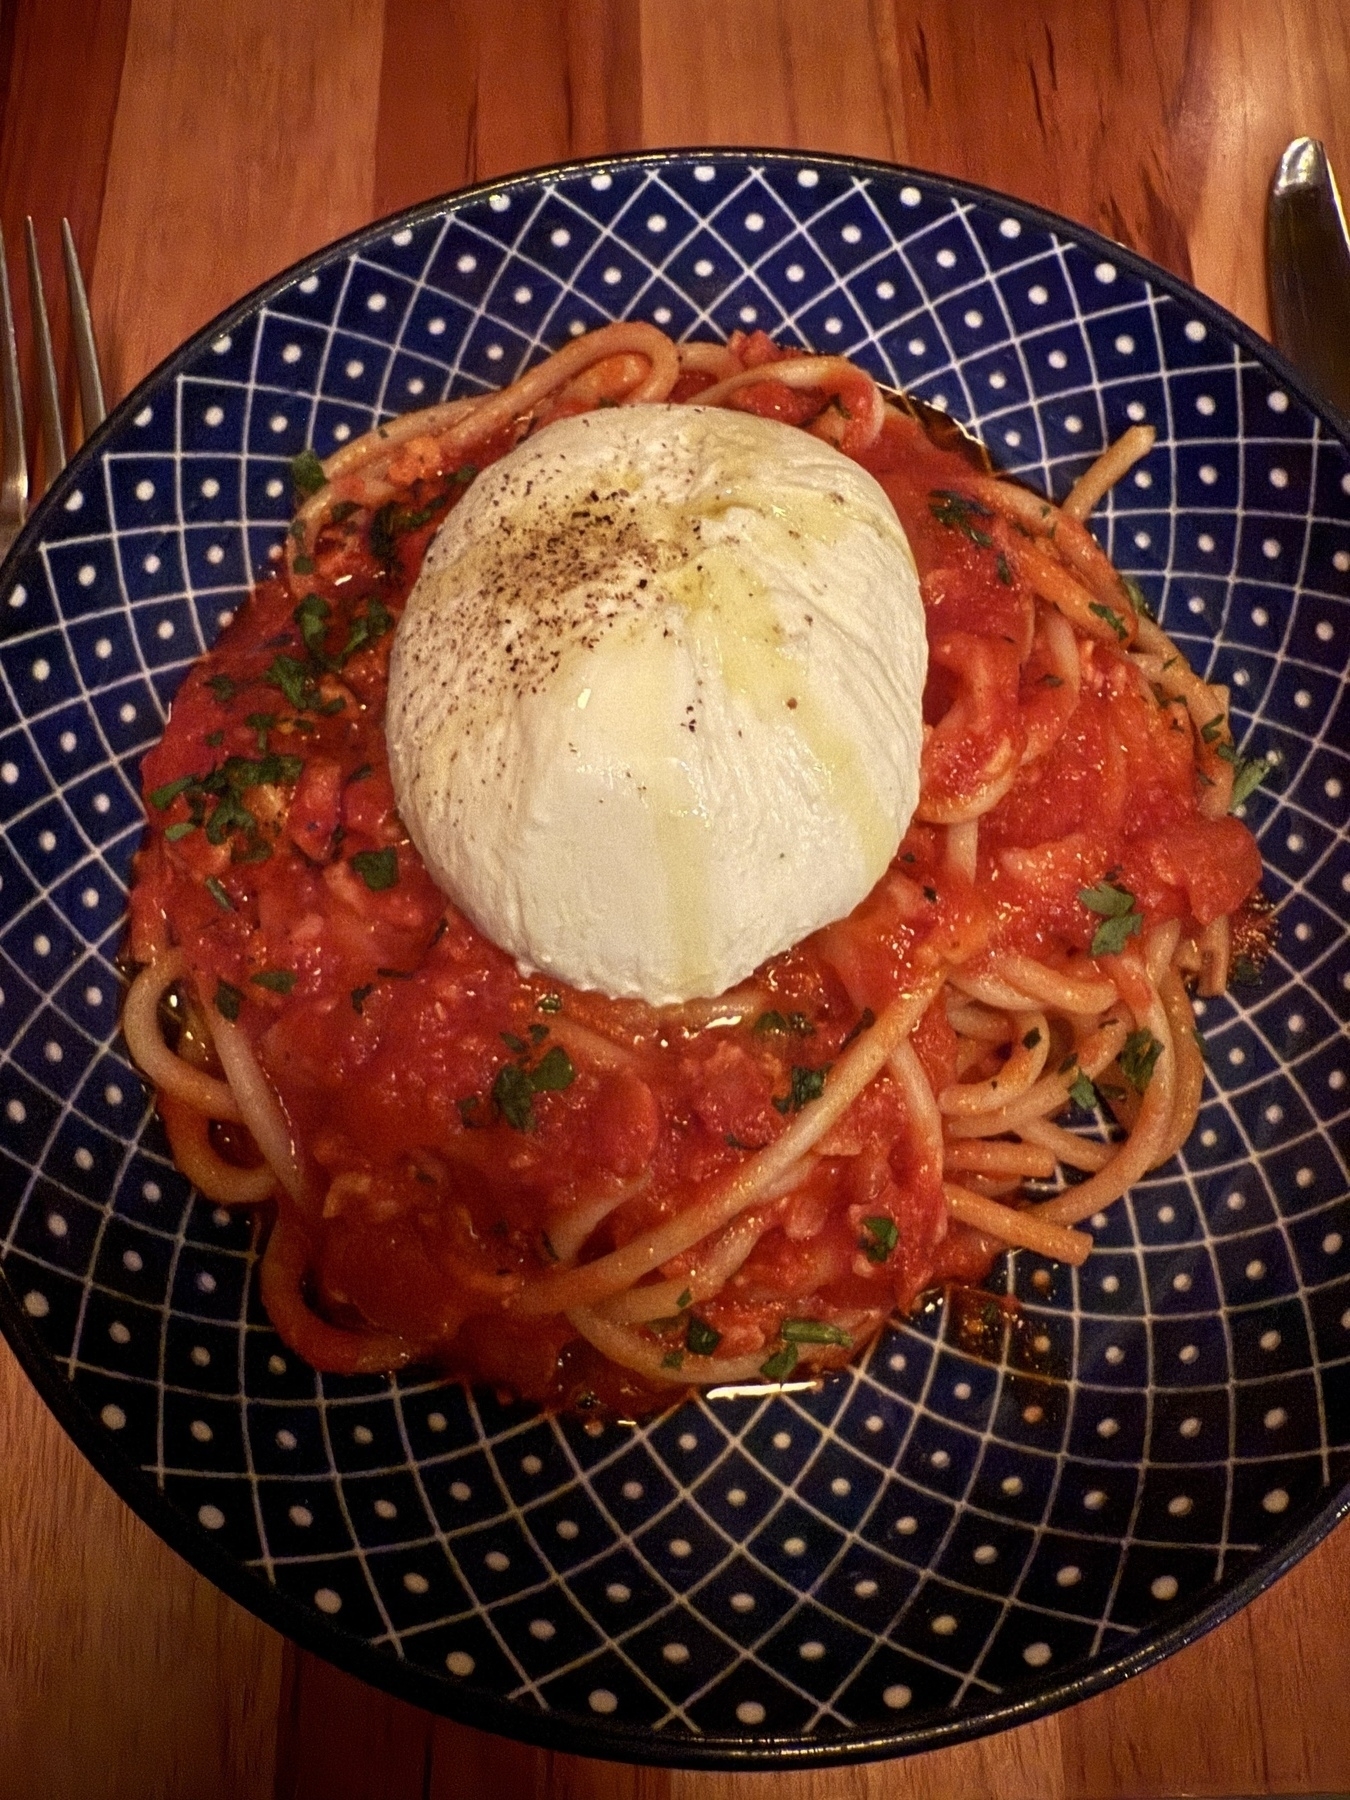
(1308, 266)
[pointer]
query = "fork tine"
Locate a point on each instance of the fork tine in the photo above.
(92, 409)
(14, 469)
(49, 392)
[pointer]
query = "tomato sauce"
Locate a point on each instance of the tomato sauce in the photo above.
(450, 1110)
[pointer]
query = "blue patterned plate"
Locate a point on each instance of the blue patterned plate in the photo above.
(933, 1545)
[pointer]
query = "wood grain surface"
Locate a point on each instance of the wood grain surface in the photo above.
(199, 146)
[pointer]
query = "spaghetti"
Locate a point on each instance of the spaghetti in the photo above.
(578, 1198)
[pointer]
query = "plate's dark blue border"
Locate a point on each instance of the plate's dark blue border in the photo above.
(461, 1701)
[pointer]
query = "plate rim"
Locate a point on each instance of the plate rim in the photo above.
(517, 1720)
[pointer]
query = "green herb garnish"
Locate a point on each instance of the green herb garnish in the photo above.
(218, 894)
(1083, 1094)
(807, 1085)
(813, 1331)
(1112, 618)
(781, 1364)
(307, 475)
(279, 981)
(958, 512)
(882, 1234)
(228, 1000)
(377, 868)
(361, 994)
(1137, 1058)
(701, 1338)
(1121, 918)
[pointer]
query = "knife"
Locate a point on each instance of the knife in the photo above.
(1308, 269)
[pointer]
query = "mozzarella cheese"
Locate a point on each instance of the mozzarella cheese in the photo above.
(654, 704)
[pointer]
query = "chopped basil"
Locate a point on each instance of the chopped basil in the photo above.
(1121, 918)
(701, 1338)
(224, 687)
(360, 995)
(684, 1299)
(513, 1092)
(214, 739)
(366, 627)
(1209, 733)
(1083, 1094)
(1248, 774)
(958, 512)
(1244, 972)
(807, 1085)
(377, 868)
(307, 475)
(538, 1032)
(1141, 1051)
(228, 1000)
(813, 1331)
(262, 723)
(1112, 618)
(882, 1235)
(780, 1364)
(797, 1023)
(1030, 1041)
(294, 679)
(303, 565)
(1004, 571)
(1138, 598)
(164, 797)
(342, 511)
(279, 981)
(673, 1359)
(513, 1042)
(218, 894)
(180, 830)
(312, 616)
(554, 1071)
(930, 895)
(547, 1243)
(361, 773)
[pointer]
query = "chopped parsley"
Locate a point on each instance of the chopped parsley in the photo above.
(1211, 732)
(377, 868)
(814, 1331)
(228, 1000)
(807, 1085)
(701, 1338)
(164, 797)
(515, 1087)
(881, 1235)
(781, 1364)
(1083, 1094)
(1112, 618)
(307, 475)
(958, 512)
(673, 1359)
(217, 892)
(1121, 919)
(684, 1299)
(224, 687)
(1030, 1041)
(279, 981)
(513, 1093)
(180, 830)
(1138, 1057)
(1248, 774)
(797, 1023)
(303, 565)
(262, 723)
(553, 1072)
(1138, 598)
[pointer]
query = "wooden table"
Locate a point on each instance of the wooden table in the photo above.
(201, 145)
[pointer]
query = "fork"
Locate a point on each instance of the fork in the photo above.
(14, 467)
